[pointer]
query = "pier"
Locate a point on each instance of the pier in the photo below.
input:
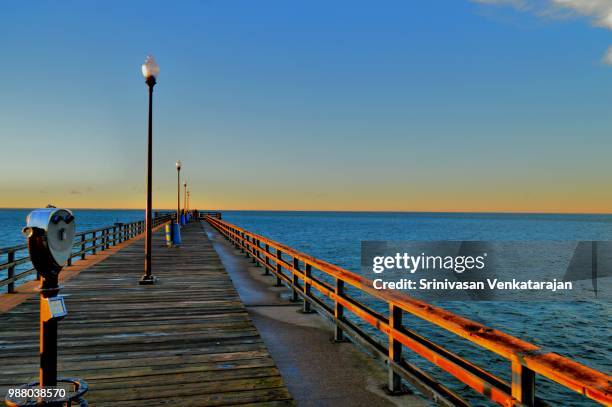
(238, 318)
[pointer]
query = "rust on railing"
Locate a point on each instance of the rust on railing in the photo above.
(89, 241)
(527, 360)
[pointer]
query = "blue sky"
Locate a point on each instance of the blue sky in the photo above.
(420, 105)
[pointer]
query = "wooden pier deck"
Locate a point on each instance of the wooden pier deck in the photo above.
(185, 341)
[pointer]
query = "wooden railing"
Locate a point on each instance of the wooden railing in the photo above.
(296, 270)
(203, 215)
(87, 242)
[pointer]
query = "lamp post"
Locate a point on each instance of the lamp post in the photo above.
(149, 70)
(178, 191)
(185, 202)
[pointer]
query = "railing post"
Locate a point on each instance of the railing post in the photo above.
(338, 311)
(11, 271)
(257, 254)
(241, 242)
(267, 269)
(114, 235)
(395, 348)
(93, 242)
(83, 246)
(279, 256)
(306, 309)
(295, 280)
(106, 242)
(254, 254)
(523, 384)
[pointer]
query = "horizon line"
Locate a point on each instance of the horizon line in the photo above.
(509, 212)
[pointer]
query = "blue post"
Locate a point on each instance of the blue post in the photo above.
(176, 234)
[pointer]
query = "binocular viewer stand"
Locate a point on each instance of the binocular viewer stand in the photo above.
(50, 391)
(50, 233)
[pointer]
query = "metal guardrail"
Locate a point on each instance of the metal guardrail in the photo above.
(89, 241)
(295, 269)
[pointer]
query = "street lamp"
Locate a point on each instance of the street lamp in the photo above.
(185, 202)
(149, 70)
(178, 191)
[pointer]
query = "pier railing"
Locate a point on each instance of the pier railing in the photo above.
(331, 298)
(87, 242)
(203, 215)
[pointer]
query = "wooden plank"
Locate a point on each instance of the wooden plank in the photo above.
(185, 341)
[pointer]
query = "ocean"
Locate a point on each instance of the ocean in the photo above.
(579, 330)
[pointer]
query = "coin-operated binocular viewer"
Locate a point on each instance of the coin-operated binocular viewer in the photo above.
(50, 233)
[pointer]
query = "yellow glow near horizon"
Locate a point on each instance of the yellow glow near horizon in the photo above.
(536, 199)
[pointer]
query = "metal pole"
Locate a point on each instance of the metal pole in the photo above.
(48, 336)
(147, 278)
(178, 195)
(185, 201)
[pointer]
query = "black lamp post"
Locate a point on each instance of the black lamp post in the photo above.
(185, 202)
(149, 71)
(178, 191)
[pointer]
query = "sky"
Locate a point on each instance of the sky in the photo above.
(437, 105)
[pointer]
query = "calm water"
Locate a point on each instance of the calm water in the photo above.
(579, 330)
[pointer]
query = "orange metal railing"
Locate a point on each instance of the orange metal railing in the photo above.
(295, 269)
